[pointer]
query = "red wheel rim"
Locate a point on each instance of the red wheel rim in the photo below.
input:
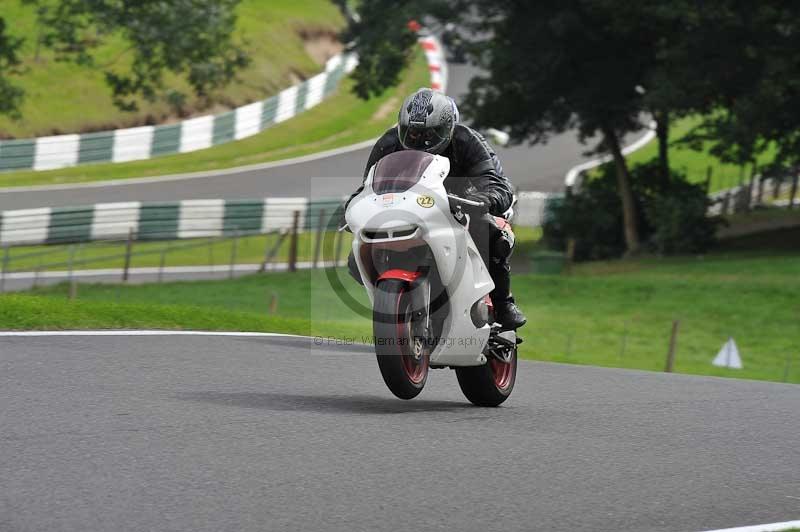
(502, 372)
(415, 367)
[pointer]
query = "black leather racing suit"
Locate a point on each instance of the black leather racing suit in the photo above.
(475, 173)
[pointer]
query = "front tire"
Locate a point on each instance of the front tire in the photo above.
(403, 362)
(489, 384)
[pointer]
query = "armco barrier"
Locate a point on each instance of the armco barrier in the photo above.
(163, 220)
(531, 207)
(131, 144)
(193, 218)
(46, 153)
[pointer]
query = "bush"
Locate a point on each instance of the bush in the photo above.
(671, 215)
(679, 221)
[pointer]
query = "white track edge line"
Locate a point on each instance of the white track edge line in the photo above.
(572, 174)
(768, 527)
(152, 332)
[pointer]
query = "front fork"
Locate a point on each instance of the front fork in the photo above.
(421, 325)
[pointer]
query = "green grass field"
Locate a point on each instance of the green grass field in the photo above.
(67, 98)
(340, 120)
(695, 164)
(609, 314)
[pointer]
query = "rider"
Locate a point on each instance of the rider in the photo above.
(428, 121)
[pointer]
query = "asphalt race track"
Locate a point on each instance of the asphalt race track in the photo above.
(530, 168)
(218, 433)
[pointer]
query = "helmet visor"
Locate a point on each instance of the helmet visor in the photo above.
(429, 139)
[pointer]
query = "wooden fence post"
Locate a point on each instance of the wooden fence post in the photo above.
(320, 233)
(161, 263)
(269, 253)
(4, 269)
(73, 286)
(293, 242)
(624, 341)
(128, 249)
(673, 341)
(234, 245)
(337, 247)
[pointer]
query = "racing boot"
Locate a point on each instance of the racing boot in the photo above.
(506, 311)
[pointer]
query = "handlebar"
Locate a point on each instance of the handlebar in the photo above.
(471, 203)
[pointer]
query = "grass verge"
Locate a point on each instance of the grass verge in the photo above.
(68, 98)
(340, 120)
(610, 314)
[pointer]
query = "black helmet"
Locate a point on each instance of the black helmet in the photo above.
(426, 121)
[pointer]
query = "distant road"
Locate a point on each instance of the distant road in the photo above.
(193, 433)
(530, 168)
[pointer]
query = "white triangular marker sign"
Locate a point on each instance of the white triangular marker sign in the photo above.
(728, 356)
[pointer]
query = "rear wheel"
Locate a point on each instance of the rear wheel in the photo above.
(403, 354)
(489, 384)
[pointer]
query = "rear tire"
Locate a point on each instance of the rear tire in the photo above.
(403, 372)
(489, 384)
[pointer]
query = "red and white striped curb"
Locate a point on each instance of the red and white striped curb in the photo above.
(434, 55)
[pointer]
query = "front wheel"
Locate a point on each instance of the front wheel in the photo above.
(489, 384)
(403, 355)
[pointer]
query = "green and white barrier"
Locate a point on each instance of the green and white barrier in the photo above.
(145, 142)
(195, 218)
(131, 144)
(164, 220)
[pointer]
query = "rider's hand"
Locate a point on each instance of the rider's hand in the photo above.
(480, 197)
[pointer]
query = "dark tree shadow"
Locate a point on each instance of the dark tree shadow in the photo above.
(363, 404)
(309, 345)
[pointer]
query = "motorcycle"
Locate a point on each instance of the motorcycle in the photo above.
(427, 283)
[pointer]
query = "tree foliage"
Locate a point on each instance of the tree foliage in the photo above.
(599, 66)
(746, 58)
(10, 95)
(384, 34)
(671, 216)
(192, 38)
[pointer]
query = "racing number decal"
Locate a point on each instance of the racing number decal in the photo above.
(425, 201)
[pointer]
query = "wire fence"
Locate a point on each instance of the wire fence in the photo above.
(307, 242)
(681, 346)
(761, 190)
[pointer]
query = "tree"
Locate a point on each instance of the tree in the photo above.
(384, 35)
(599, 65)
(10, 95)
(753, 78)
(186, 37)
(552, 66)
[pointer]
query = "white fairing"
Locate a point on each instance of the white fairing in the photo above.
(461, 269)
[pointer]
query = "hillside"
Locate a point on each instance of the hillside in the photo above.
(287, 41)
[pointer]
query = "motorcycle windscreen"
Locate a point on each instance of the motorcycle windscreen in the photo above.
(399, 171)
